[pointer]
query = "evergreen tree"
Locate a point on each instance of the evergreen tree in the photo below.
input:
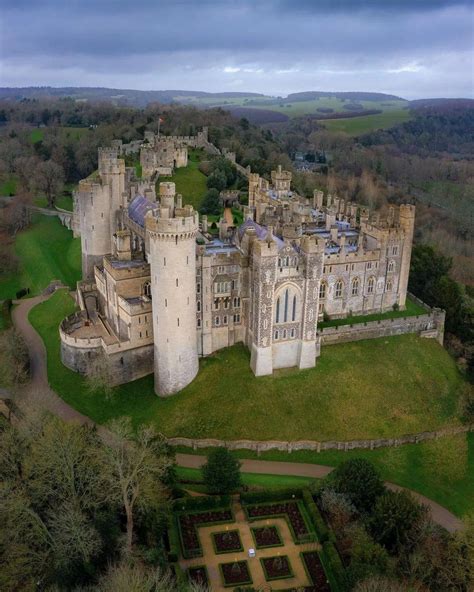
(221, 473)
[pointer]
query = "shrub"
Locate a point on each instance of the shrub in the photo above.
(395, 521)
(221, 473)
(217, 180)
(315, 515)
(211, 203)
(359, 481)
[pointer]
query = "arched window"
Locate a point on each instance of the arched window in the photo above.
(391, 266)
(147, 289)
(370, 285)
(322, 290)
(355, 286)
(287, 309)
(389, 286)
(338, 289)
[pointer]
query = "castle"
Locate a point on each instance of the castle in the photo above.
(159, 289)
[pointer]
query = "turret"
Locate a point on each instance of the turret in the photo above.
(407, 224)
(172, 260)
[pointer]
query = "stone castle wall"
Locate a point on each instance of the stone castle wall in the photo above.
(429, 325)
(125, 363)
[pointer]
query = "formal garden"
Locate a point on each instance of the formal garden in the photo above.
(253, 539)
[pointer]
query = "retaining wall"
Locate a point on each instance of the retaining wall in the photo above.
(315, 446)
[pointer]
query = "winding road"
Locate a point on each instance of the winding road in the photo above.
(39, 392)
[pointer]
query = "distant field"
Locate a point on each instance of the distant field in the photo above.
(64, 202)
(37, 135)
(361, 125)
(47, 252)
(393, 111)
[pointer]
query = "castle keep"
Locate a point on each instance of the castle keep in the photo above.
(159, 289)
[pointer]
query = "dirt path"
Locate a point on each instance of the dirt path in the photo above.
(38, 391)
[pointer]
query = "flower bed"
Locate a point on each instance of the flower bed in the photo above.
(198, 575)
(289, 510)
(188, 523)
(227, 541)
(276, 568)
(266, 536)
(315, 571)
(236, 573)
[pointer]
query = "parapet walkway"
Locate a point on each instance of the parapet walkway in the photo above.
(40, 393)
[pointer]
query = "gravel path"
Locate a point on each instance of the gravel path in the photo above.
(39, 391)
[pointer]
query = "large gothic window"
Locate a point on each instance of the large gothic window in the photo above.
(338, 289)
(287, 306)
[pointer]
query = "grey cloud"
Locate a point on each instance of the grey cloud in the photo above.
(266, 46)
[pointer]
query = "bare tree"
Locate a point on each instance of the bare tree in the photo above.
(99, 374)
(137, 463)
(49, 178)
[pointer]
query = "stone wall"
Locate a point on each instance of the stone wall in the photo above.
(126, 364)
(315, 446)
(429, 325)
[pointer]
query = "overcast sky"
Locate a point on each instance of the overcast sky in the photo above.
(412, 48)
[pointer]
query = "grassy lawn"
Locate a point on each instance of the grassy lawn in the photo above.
(367, 123)
(381, 387)
(8, 187)
(250, 479)
(443, 470)
(46, 251)
(190, 182)
(63, 201)
(412, 309)
(36, 136)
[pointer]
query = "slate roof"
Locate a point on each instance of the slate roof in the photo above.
(138, 208)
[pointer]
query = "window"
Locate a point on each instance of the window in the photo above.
(217, 321)
(198, 288)
(395, 250)
(224, 320)
(369, 265)
(276, 335)
(391, 266)
(287, 306)
(292, 334)
(226, 303)
(322, 290)
(338, 289)
(370, 285)
(216, 304)
(237, 302)
(284, 333)
(389, 286)
(199, 323)
(355, 286)
(198, 305)
(237, 318)
(147, 289)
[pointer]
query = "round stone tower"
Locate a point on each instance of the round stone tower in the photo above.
(172, 258)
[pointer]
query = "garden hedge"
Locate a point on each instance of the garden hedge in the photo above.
(315, 515)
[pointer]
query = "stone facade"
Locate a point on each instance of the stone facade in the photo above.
(158, 285)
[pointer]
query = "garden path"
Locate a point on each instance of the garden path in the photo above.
(211, 560)
(38, 391)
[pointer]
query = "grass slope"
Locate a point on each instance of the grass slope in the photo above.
(46, 251)
(190, 182)
(381, 387)
(214, 405)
